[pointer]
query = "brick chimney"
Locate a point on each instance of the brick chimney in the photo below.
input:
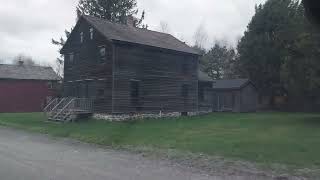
(20, 62)
(130, 21)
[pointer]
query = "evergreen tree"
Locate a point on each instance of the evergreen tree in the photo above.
(301, 69)
(281, 48)
(218, 62)
(111, 10)
(262, 49)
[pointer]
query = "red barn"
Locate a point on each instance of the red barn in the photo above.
(25, 88)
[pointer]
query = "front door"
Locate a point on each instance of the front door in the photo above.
(215, 102)
(86, 90)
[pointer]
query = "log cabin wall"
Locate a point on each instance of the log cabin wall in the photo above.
(88, 74)
(249, 99)
(148, 79)
(130, 78)
(205, 96)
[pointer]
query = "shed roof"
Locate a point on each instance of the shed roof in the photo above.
(124, 33)
(230, 83)
(26, 72)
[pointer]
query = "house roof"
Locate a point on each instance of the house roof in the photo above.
(124, 33)
(26, 72)
(230, 84)
(203, 77)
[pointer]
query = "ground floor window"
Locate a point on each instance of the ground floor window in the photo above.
(135, 92)
(185, 91)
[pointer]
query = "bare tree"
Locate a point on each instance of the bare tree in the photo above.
(27, 60)
(164, 27)
(200, 37)
(58, 67)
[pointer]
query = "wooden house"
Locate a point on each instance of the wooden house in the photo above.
(125, 69)
(205, 92)
(25, 88)
(235, 95)
(232, 95)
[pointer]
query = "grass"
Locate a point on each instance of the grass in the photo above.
(285, 138)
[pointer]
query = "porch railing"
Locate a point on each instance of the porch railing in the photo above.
(75, 106)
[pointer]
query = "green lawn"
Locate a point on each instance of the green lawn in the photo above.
(286, 138)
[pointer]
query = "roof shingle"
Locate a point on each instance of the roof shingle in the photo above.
(124, 33)
(25, 72)
(230, 84)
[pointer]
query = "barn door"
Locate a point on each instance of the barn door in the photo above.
(84, 90)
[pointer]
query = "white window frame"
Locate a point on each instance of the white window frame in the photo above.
(50, 85)
(102, 58)
(71, 57)
(81, 37)
(91, 33)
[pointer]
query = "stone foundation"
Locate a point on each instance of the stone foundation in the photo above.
(132, 117)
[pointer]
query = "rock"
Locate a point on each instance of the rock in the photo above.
(282, 178)
(132, 117)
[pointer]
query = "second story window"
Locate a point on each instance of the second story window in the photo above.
(185, 91)
(71, 58)
(50, 85)
(102, 54)
(81, 37)
(91, 33)
(185, 68)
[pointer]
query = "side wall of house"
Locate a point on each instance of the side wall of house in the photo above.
(249, 99)
(152, 80)
(89, 74)
(205, 96)
(227, 100)
(17, 96)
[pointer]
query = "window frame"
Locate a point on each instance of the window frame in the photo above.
(101, 93)
(50, 85)
(91, 33)
(185, 68)
(135, 92)
(185, 91)
(102, 58)
(71, 57)
(81, 37)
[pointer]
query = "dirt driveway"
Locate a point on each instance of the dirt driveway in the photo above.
(25, 156)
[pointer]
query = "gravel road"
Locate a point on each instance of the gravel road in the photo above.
(27, 156)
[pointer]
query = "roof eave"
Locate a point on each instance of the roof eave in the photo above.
(127, 42)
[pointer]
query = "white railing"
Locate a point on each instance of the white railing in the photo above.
(51, 105)
(83, 104)
(74, 106)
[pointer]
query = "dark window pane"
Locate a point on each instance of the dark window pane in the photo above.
(101, 93)
(71, 58)
(102, 54)
(185, 68)
(135, 92)
(185, 91)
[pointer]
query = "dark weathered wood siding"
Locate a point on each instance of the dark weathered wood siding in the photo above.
(88, 75)
(161, 75)
(236, 100)
(205, 96)
(158, 75)
(249, 99)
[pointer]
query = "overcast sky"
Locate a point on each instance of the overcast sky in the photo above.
(27, 26)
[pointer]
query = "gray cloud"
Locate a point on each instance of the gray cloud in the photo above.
(27, 26)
